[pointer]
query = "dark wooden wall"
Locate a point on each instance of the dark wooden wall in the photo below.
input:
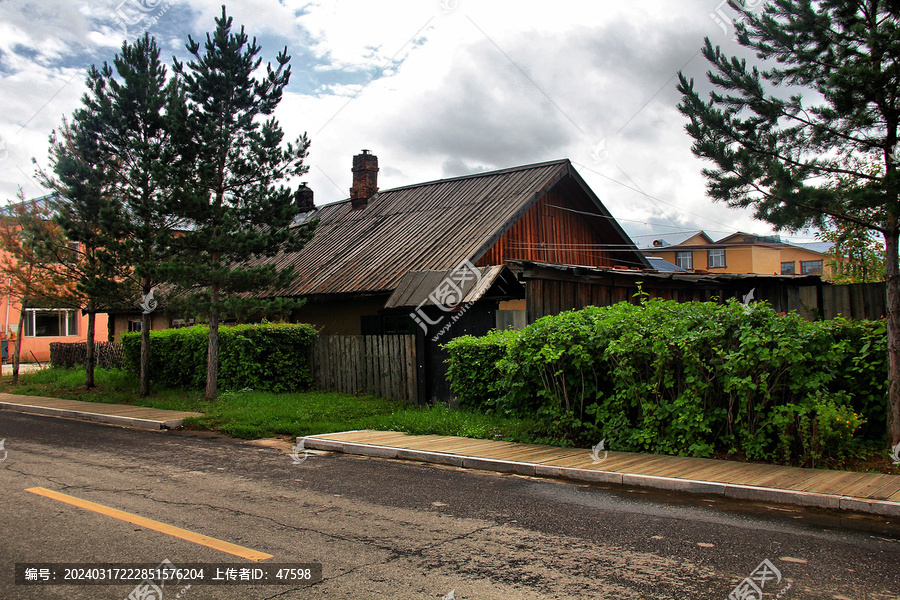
(854, 301)
(551, 296)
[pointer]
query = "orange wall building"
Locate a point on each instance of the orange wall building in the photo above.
(738, 253)
(43, 326)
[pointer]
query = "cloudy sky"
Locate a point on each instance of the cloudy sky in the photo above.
(435, 88)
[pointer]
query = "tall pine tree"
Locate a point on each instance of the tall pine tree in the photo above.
(84, 208)
(236, 204)
(775, 151)
(123, 144)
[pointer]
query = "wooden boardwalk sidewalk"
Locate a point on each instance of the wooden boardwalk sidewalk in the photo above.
(117, 414)
(841, 490)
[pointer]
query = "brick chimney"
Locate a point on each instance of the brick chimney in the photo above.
(304, 198)
(365, 179)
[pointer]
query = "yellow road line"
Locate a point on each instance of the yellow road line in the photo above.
(197, 538)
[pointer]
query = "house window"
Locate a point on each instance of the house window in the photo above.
(50, 322)
(685, 260)
(716, 258)
(811, 267)
(788, 268)
(134, 325)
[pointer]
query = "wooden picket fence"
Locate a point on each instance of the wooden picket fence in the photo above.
(382, 365)
(107, 355)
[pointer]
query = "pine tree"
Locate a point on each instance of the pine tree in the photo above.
(117, 175)
(775, 151)
(236, 205)
(84, 209)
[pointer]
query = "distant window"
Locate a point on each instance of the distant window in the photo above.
(788, 268)
(811, 267)
(50, 322)
(716, 258)
(134, 325)
(685, 260)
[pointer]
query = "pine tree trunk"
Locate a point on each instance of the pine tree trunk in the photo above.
(892, 286)
(212, 358)
(145, 344)
(18, 352)
(89, 361)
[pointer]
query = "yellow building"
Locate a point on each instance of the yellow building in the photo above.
(736, 253)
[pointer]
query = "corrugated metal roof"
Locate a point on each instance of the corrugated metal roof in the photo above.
(417, 287)
(430, 226)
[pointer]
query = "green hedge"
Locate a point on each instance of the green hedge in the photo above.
(691, 379)
(474, 376)
(272, 357)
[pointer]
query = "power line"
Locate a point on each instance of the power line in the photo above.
(651, 197)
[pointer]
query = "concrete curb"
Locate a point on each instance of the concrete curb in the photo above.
(134, 422)
(882, 508)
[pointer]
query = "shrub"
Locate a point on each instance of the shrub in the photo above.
(693, 379)
(270, 356)
(474, 376)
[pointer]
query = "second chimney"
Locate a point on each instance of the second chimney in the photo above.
(365, 179)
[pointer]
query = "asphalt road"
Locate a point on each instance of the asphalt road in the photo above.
(388, 529)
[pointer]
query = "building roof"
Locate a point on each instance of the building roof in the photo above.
(664, 266)
(662, 241)
(657, 241)
(421, 287)
(530, 267)
(820, 247)
(431, 226)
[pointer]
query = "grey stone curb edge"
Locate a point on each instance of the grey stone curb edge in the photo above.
(89, 416)
(688, 486)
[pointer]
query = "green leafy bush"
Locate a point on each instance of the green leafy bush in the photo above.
(474, 376)
(690, 379)
(269, 356)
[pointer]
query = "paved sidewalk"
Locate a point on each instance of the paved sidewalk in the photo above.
(117, 414)
(871, 493)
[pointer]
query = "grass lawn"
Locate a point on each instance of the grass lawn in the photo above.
(248, 414)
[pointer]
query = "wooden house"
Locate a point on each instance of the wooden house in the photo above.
(365, 246)
(431, 258)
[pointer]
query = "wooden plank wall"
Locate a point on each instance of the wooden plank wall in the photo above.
(381, 365)
(854, 301)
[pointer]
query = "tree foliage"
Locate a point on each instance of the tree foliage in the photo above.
(823, 103)
(855, 256)
(235, 202)
(30, 267)
(118, 175)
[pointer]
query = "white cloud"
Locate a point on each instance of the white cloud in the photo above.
(457, 87)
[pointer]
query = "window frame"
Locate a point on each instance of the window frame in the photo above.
(820, 264)
(793, 264)
(709, 258)
(690, 257)
(68, 324)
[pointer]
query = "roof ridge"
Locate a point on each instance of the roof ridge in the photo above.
(560, 161)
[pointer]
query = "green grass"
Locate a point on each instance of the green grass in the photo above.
(249, 414)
